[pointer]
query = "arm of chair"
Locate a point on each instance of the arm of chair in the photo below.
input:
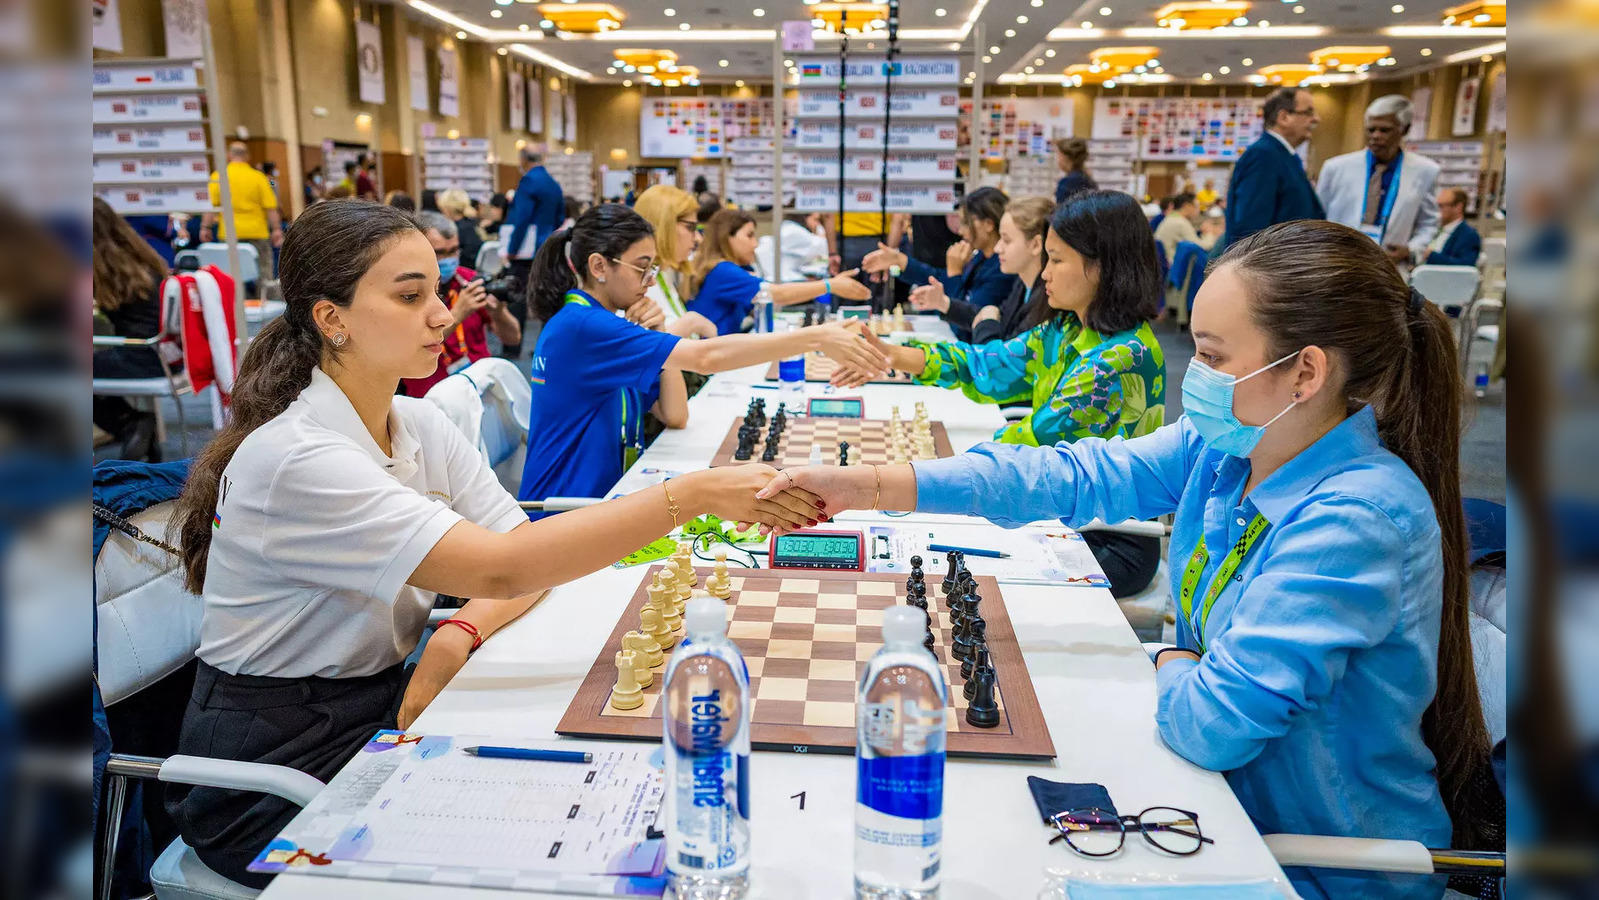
(560, 504)
(111, 340)
(1380, 855)
(292, 785)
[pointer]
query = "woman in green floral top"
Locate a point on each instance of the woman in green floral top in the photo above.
(1093, 369)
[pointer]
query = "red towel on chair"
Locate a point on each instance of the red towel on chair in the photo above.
(208, 329)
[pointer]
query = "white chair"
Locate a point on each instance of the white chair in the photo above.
(1493, 253)
(216, 254)
(491, 402)
(168, 384)
(489, 261)
(1447, 286)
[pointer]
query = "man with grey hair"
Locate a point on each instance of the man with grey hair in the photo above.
(474, 311)
(1384, 192)
(537, 210)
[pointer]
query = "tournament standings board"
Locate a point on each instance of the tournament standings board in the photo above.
(690, 127)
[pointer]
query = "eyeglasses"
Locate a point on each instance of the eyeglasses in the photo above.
(1303, 112)
(1096, 832)
(647, 273)
(690, 224)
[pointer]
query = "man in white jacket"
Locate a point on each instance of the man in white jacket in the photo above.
(1384, 191)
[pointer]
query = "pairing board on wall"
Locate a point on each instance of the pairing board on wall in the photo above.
(574, 172)
(1181, 128)
(1461, 165)
(690, 127)
(149, 143)
(461, 163)
(921, 136)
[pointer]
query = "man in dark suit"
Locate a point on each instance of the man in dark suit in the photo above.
(537, 209)
(1269, 184)
(1457, 243)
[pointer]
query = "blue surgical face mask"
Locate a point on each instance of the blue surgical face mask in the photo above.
(447, 267)
(1208, 403)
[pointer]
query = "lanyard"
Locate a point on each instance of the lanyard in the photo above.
(1224, 574)
(1388, 195)
(666, 292)
(632, 445)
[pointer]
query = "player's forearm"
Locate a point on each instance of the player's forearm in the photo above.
(490, 614)
(735, 351)
(908, 359)
(672, 406)
(274, 220)
(797, 292)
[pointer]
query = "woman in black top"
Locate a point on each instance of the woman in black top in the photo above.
(1071, 154)
(127, 294)
(1021, 253)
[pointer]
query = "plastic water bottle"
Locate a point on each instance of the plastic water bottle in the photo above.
(764, 310)
(899, 764)
(791, 378)
(707, 748)
(1480, 381)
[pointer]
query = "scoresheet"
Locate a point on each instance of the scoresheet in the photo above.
(417, 808)
(1037, 556)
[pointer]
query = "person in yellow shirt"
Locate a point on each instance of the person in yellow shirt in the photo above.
(255, 208)
(1207, 195)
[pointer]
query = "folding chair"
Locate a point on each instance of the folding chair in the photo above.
(168, 384)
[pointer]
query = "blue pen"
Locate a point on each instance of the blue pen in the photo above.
(576, 756)
(969, 551)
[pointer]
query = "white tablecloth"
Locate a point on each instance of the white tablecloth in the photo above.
(1093, 680)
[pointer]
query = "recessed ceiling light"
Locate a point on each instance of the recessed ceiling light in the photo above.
(1299, 10)
(1087, 25)
(495, 14)
(668, 12)
(955, 45)
(1487, 57)
(1241, 21)
(1010, 32)
(941, 12)
(683, 27)
(738, 83)
(994, 49)
(502, 51)
(789, 63)
(1224, 69)
(627, 82)
(460, 35)
(1426, 51)
(1050, 53)
(504, 2)
(1154, 64)
(1263, 23)
(1247, 61)
(1036, 3)
(1104, 10)
(1028, 70)
(1397, 8)
(721, 63)
(757, 12)
(988, 59)
(1205, 76)
(546, 23)
(522, 27)
(1038, 61)
(1111, 83)
(1021, 20)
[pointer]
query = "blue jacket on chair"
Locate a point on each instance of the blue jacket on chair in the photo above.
(1187, 269)
(1269, 186)
(1462, 248)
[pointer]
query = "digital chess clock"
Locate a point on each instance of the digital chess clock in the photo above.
(809, 549)
(836, 407)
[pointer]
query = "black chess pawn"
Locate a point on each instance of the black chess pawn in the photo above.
(769, 453)
(980, 658)
(984, 709)
(928, 642)
(843, 453)
(916, 564)
(744, 450)
(917, 600)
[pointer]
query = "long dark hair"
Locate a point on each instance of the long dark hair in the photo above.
(324, 256)
(126, 267)
(1317, 283)
(1110, 230)
(608, 229)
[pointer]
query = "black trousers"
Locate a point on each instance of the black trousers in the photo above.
(518, 269)
(315, 725)
(1129, 560)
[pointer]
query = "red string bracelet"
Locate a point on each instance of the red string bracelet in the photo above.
(469, 628)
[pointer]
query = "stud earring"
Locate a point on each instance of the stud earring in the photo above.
(339, 339)
(600, 280)
(1296, 395)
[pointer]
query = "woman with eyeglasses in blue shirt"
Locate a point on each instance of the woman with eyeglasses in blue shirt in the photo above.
(1318, 553)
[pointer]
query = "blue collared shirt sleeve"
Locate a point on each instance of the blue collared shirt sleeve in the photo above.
(1332, 583)
(1091, 478)
(615, 353)
(726, 296)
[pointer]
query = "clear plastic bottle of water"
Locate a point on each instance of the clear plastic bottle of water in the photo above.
(899, 755)
(764, 311)
(707, 748)
(1480, 381)
(791, 378)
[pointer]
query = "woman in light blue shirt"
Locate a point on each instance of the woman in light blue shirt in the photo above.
(1318, 554)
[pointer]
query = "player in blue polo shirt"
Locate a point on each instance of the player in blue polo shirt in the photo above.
(595, 373)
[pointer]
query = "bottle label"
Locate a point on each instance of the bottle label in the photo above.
(905, 787)
(707, 769)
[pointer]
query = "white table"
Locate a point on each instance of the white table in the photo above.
(1093, 680)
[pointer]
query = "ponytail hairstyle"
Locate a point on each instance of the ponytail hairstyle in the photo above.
(1074, 151)
(326, 253)
(1313, 282)
(714, 249)
(562, 261)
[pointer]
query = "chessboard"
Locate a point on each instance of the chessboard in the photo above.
(806, 638)
(871, 441)
(820, 368)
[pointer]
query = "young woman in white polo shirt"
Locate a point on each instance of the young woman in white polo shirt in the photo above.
(321, 521)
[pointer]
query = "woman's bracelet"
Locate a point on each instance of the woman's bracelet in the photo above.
(469, 628)
(671, 505)
(877, 486)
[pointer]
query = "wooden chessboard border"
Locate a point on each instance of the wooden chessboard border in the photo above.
(822, 375)
(1027, 737)
(724, 453)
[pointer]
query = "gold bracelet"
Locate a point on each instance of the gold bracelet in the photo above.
(671, 505)
(877, 489)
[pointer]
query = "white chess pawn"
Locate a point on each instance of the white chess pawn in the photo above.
(671, 616)
(627, 694)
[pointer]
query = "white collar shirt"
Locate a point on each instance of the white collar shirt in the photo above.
(1442, 237)
(317, 531)
(1282, 140)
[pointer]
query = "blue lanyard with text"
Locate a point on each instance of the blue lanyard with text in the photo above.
(1388, 195)
(632, 444)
